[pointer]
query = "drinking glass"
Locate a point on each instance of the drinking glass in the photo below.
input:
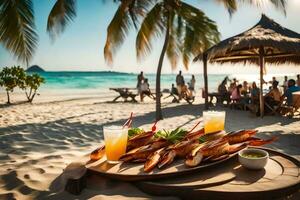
(214, 121)
(115, 138)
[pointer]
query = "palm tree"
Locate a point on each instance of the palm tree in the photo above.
(187, 33)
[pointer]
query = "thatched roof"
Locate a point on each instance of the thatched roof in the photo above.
(280, 45)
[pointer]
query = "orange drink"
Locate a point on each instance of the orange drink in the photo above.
(214, 121)
(115, 138)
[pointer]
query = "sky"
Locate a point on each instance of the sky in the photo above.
(80, 47)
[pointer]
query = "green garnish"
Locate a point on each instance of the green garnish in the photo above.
(253, 155)
(202, 140)
(135, 131)
(172, 136)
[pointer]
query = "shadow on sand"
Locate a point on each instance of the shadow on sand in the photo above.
(60, 134)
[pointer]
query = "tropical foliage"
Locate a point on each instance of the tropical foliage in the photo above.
(17, 28)
(10, 78)
(62, 13)
(129, 14)
(13, 77)
(18, 32)
(31, 83)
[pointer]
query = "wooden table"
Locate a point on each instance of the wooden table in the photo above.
(227, 180)
(280, 178)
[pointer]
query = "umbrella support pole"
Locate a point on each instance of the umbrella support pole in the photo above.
(261, 66)
(205, 80)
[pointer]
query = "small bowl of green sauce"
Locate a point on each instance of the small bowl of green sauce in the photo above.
(253, 158)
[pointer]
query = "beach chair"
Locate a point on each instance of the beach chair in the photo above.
(150, 94)
(292, 109)
(175, 98)
(189, 99)
(125, 94)
(273, 109)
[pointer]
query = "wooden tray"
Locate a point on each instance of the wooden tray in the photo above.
(135, 172)
(280, 177)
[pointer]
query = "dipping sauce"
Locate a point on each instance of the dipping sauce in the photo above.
(253, 155)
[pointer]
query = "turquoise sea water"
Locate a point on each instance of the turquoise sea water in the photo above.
(89, 82)
(105, 80)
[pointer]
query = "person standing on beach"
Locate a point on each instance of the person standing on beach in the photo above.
(140, 78)
(234, 82)
(179, 83)
(192, 84)
(298, 80)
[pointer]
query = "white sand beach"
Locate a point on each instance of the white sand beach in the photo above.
(37, 141)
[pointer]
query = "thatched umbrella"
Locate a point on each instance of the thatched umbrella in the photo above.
(266, 42)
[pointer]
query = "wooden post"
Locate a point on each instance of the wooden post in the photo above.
(261, 65)
(205, 80)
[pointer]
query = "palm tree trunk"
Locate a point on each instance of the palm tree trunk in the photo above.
(159, 115)
(8, 98)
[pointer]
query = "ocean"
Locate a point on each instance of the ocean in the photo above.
(105, 80)
(89, 82)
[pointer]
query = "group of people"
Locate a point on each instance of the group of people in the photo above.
(183, 90)
(249, 94)
(275, 96)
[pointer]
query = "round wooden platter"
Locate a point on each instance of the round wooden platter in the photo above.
(135, 171)
(280, 177)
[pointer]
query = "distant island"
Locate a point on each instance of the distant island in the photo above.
(35, 68)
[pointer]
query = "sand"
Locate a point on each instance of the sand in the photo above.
(37, 141)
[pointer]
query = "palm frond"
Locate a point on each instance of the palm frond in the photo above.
(138, 8)
(127, 15)
(187, 46)
(62, 13)
(152, 27)
(230, 5)
(173, 48)
(17, 28)
(279, 4)
(199, 34)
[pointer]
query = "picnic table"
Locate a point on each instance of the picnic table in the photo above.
(220, 98)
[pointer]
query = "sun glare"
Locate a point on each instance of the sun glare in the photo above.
(294, 2)
(262, 3)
